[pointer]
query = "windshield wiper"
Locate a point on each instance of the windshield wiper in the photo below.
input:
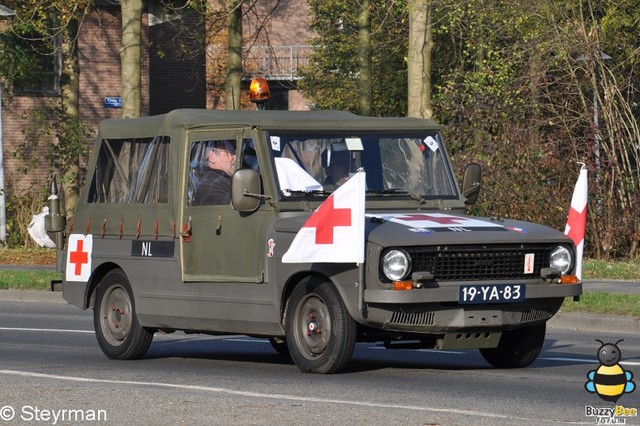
(412, 194)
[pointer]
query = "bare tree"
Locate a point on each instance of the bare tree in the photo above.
(234, 55)
(70, 91)
(419, 59)
(130, 57)
(365, 88)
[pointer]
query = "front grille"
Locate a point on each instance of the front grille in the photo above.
(536, 315)
(479, 263)
(413, 318)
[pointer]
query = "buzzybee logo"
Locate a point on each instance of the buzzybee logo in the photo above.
(610, 381)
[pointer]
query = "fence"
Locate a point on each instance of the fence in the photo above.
(272, 62)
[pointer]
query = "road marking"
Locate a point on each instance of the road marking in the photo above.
(282, 397)
(53, 330)
(583, 360)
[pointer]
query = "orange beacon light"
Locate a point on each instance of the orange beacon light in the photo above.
(259, 92)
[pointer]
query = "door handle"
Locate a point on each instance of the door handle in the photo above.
(219, 225)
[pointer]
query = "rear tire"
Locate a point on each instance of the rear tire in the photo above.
(320, 333)
(517, 348)
(119, 334)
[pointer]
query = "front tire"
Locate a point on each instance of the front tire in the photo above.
(119, 334)
(517, 348)
(320, 333)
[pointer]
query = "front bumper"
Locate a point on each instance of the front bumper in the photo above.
(449, 293)
(437, 311)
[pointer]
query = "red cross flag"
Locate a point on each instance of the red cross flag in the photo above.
(79, 248)
(334, 233)
(577, 220)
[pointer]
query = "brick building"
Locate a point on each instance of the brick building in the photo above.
(275, 33)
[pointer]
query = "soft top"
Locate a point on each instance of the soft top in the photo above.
(182, 119)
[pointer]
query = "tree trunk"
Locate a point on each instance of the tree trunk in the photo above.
(234, 54)
(419, 59)
(365, 87)
(70, 91)
(130, 57)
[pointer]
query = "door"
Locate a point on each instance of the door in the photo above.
(218, 243)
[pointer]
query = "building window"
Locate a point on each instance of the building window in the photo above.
(41, 57)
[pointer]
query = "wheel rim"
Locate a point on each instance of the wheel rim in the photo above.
(115, 314)
(313, 326)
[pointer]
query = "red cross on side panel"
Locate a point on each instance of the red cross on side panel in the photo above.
(447, 220)
(79, 257)
(325, 219)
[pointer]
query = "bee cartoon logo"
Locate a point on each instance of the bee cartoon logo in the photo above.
(610, 381)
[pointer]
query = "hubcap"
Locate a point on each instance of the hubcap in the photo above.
(116, 315)
(314, 326)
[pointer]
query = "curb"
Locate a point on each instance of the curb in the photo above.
(37, 296)
(607, 324)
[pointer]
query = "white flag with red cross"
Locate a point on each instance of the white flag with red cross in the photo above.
(334, 233)
(577, 220)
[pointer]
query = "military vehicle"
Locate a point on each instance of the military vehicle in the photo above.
(147, 252)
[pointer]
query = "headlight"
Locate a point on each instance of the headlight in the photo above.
(396, 265)
(561, 258)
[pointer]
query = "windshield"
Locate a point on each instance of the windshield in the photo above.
(395, 164)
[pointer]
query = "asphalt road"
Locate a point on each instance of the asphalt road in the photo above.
(52, 371)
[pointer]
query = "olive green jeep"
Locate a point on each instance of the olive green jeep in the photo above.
(148, 249)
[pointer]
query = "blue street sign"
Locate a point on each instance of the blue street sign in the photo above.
(113, 102)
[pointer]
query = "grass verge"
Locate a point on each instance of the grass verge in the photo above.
(603, 270)
(27, 280)
(605, 304)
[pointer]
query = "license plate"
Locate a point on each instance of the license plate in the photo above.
(496, 293)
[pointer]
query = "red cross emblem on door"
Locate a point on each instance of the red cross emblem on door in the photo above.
(79, 250)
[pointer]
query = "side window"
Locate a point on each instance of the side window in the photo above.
(249, 155)
(211, 164)
(131, 171)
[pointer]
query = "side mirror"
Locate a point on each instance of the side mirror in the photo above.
(246, 190)
(471, 183)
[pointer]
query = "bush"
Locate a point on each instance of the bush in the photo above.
(21, 206)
